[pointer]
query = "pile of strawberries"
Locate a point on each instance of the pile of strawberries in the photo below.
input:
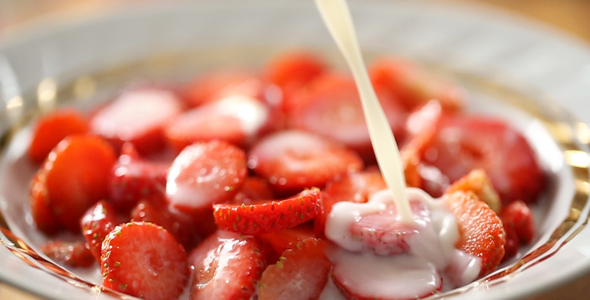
(240, 169)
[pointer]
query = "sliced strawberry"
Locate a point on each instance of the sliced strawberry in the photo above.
(143, 260)
(138, 116)
(512, 244)
(253, 189)
(133, 179)
(74, 254)
(423, 118)
(464, 143)
(230, 271)
(220, 84)
(235, 119)
(300, 274)
(204, 174)
(294, 160)
(278, 242)
(268, 216)
(413, 85)
(198, 255)
(519, 217)
(52, 128)
(77, 172)
(481, 230)
(353, 187)
(331, 107)
(187, 228)
(97, 222)
(41, 210)
(478, 182)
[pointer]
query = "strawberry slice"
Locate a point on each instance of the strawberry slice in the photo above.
(96, 223)
(478, 182)
(278, 242)
(268, 216)
(413, 85)
(300, 274)
(41, 210)
(331, 107)
(133, 179)
(512, 244)
(143, 260)
(220, 84)
(187, 228)
(137, 116)
(235, 119)
(230, 271)
(481, 230)
(197, 256)
(253, 189)
(464, 143)
(204, 174)
(52, 128)
(519, 218)
(74, 254)
(294, 160)
(76, 177)
(353, 187)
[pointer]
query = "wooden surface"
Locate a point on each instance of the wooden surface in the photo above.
(572, 16)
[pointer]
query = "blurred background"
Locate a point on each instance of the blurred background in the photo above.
(570, 16)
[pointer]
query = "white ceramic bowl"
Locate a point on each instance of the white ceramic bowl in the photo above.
(536, 78)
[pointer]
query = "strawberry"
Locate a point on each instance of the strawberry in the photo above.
(76, 176)
(52, 128)
(187, 228)
(481, 230)
(353, 187)
(133, 179)
(230, 271)
(41, 210)
(96, 223)
(413, 86)
(331, 107)
(519, 218)
(145, 261)
(294, 160)
(278, 242)
(300, 274)
(235, 119)
(268, 216)
(201, 251)
(253, 189)
(478, 182)
(464, 143)
(204, 174)
(512, 244)
(137, 116)
(220, 84)
(423, 118)
(74, 254)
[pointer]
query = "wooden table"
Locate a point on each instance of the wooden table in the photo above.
(572, 16)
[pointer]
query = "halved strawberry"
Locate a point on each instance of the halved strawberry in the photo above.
(519, 217)
(52, 128)
(41, 210)
(216, 85)
(464, 143)
(137, 116)
(204, 174)
(275, 243)
(413, 85)
(96, 223)
(133, 179)
(74, 254)
(331, 107)
(481, 230)
(478, 182)
(294, 160)
(300, 274)
(512, 244)
(197, 256)
(268, 216)
(353, 187)
(235, 119)
(253, 189)
(76, 176)
(145, 261)
(231, 271)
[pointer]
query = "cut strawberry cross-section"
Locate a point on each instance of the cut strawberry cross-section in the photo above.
(268, 216)
(97, 222)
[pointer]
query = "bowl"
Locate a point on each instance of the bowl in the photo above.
(534, 77)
